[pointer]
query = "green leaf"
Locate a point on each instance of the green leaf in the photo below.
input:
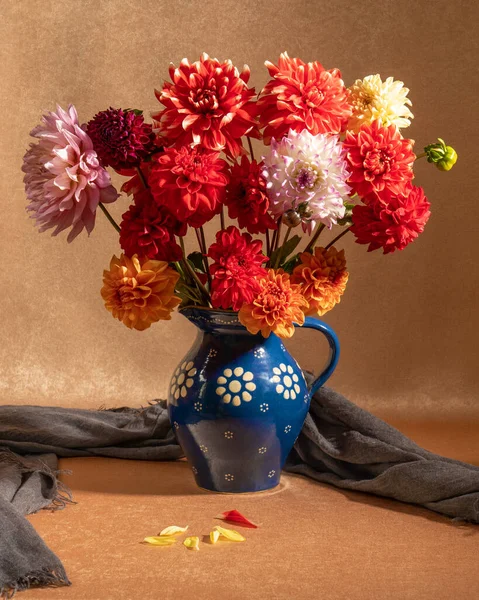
(291, 263)
(196, 261)
(285, 249)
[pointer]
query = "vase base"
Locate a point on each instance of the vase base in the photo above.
(277, 487)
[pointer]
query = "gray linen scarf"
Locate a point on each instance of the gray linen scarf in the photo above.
(340, 444)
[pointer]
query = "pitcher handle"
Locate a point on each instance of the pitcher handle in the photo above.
(333, 341)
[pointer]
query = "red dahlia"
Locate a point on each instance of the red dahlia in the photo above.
(380, 159)
(238, 261)
(207, 103)
(392, 221)
(302, 96)
(246, 197)
(121, 138)
(149, 230)
(190, 182)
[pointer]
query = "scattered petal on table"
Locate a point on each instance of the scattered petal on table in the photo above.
(214, 536)
(230, 534)
(193, 543)
(160, 541)
(234, 516)
(173, 530)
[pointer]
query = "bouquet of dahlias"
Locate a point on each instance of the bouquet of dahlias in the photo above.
(333, 157)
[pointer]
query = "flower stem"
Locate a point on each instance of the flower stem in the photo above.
(205, 258)
(315, 237)
(268, 244)
(338, 237)
(191, 272)
(250, 148)
(281, 250)
(422, 155)
(222, 218)
(142, 178)
(109, 217)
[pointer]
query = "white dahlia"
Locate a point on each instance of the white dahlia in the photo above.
(307, 173)
(386, 101)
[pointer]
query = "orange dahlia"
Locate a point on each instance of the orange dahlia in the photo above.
(138, 291)
(322, 278)
(207, 103)
(302, 96)
(277, 306)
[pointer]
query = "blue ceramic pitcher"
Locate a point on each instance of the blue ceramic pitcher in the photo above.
(238, 401)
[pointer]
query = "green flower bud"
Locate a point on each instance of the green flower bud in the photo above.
(444, 157)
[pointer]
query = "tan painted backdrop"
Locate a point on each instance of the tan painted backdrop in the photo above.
(408, 323)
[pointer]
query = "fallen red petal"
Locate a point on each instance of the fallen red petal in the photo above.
(234, 516)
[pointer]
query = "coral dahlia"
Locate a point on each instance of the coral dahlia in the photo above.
(322, 277)
(379, 159)
(276, 307)
(207, 103)
(246, 197)
(121, 138)
(302, 96)
(64, 180)
(138, 291)
(148, 229)
(372, 99)
(238, 260)
(190, 182)
(392, 221)
(307, 173)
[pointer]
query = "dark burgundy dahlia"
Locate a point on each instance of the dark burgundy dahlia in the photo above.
(121, 138)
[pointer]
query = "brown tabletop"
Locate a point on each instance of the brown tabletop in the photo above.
(314, 541)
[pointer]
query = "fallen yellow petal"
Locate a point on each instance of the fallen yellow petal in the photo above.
(159, 541)
(192, 542)
(173, 530)
(230, 534)
(214, 535)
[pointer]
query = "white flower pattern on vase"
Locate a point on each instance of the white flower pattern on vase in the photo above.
(287, 429)
(195, 470)
(229, 477)
(287, 381)
(198, 406)
(235, 386)
(271, 474)
(264, 407)
(181, 381)
(229, 435)
(203, 448)
(262, 450)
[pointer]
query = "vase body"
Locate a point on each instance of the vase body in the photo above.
(237, 403)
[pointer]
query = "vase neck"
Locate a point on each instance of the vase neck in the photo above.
(220, 322)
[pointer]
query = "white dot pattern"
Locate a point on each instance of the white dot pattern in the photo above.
(234, 386)
(287, 381)
(181, 381)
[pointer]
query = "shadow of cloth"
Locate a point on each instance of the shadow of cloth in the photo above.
(340, 444)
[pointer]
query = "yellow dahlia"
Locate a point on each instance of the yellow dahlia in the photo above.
(139, 292)
(374, 100)
(322, 278)
(276, 307)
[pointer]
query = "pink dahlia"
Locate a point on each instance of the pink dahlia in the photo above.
(64, 180)
(207, 103)
(246, 197)
(302, 96)
(237, 262)
(121, 138)
(392, 221)
(149, 230)
(190, 182)
(379, 159)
